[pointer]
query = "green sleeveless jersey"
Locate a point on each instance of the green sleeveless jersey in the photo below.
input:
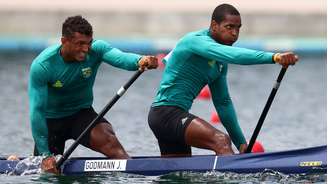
(198, 60)
(59, 89)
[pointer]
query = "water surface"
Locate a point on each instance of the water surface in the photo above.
(297, 118)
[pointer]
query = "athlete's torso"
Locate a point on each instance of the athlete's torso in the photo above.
(198, 60)
(185, 74)
(69, 83)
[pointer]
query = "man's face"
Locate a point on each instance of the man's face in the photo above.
(227, 31)
(76, 47)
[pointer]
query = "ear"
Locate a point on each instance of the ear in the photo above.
(214, 26)
(63, 40)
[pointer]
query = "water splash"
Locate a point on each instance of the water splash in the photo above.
(27, 166)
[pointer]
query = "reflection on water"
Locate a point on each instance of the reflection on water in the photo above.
(268, 177)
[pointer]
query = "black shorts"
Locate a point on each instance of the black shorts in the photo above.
(169, 124)
(70, 127)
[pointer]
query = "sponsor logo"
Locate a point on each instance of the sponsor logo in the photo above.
(86, 72)
(105, 165)
(58, 84)
(310, 163)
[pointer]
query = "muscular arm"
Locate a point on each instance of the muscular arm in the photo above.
(38, 94)
(206, 47)
(225, 109)
(117, 58)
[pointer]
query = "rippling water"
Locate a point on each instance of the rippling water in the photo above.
(297, 118)
(173, 178)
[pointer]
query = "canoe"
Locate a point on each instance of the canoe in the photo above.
(307, 160)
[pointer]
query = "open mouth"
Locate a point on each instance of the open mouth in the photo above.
(81, 56)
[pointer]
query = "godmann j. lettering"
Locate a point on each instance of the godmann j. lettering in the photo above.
(105, 165)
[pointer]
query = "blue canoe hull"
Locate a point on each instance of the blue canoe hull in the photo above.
(309, 160)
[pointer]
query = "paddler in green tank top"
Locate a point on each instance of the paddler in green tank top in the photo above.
(201, 58)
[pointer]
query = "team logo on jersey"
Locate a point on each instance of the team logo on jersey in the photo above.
(211, 63)
(58, 84)
(86, 72)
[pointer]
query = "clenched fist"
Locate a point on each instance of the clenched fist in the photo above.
(48, 165)
(285, 59)
(148, 62)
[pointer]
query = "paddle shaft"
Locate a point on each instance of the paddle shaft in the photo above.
(265, 110)
(119, 93)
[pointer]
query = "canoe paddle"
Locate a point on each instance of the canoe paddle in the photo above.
(265, 110)
(119, 93)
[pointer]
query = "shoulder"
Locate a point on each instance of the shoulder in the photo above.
(39, 73)
(42, 63)
(38, 69)
(196, 34)
(195, 39)
(100, 46)
(47, 54)
(96, 43)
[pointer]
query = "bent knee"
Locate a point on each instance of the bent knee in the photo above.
(222, 139)
(110, 140)
(222, 145)
(99, 141)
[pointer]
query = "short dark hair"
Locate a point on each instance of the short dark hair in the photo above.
(222, 10)
(76, 24)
